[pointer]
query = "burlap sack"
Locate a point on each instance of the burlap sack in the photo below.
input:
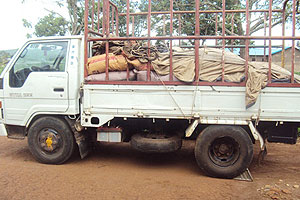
(113, 76)
(137, 64)
(97, 64)
(142, 76)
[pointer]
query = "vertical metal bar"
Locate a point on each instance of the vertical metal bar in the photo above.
(216, 28)
(107, 18)
(113, 19)
(107, 41)
(171, 41)
(149, 34)
(197, 16)
(223, 40)
(86, 21)
(93, 13)
(127, 17)
(265, 34)
(127, 30)
(232, 29)
(132, 22)
(103, 17)
(133, 26)
(283, 41)
(98, 16)
(179, 28)
(197, 42)
(117, 22)
(247, 42)
(293, 42)
(270, 42)
(106, 60)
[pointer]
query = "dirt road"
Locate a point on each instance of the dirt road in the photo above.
(115, 171)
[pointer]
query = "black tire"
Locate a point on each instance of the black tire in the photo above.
(224, 151)
(50, 140)
(151, 143)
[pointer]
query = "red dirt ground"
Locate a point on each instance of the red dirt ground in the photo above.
(115, 171)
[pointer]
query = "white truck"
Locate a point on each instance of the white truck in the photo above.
(44, 96)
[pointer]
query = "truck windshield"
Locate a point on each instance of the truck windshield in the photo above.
(38, 57)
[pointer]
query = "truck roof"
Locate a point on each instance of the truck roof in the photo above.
(56, 38)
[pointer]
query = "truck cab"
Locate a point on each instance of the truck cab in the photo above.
(43, 78)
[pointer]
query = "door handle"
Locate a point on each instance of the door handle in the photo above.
(58, 89)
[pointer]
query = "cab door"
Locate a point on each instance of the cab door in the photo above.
(37, 82)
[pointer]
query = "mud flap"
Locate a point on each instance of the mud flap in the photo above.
(15, 132)
(261, 156)
(81, 139)
(83, 144)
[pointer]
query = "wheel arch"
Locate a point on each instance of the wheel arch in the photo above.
(38, 116)
(201, 127)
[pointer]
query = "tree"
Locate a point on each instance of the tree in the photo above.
(76, 15)
(139, 21)
(51, 25)
(56, 24)
(4, 58)
(207, 20)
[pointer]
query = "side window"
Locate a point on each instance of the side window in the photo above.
(38, 57)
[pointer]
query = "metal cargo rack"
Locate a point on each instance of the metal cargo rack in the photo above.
(102, 17)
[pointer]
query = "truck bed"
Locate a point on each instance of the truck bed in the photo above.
(208, 103)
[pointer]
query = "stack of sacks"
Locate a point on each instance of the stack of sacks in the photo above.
(123, 55)
(97, 64)
(113, 76)
(119, 61)
(117, 68)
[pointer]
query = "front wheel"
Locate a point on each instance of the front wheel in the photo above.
(224, 151)
(50, 140)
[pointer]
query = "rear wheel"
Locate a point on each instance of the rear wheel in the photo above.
(50, 140)
(224, 151)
